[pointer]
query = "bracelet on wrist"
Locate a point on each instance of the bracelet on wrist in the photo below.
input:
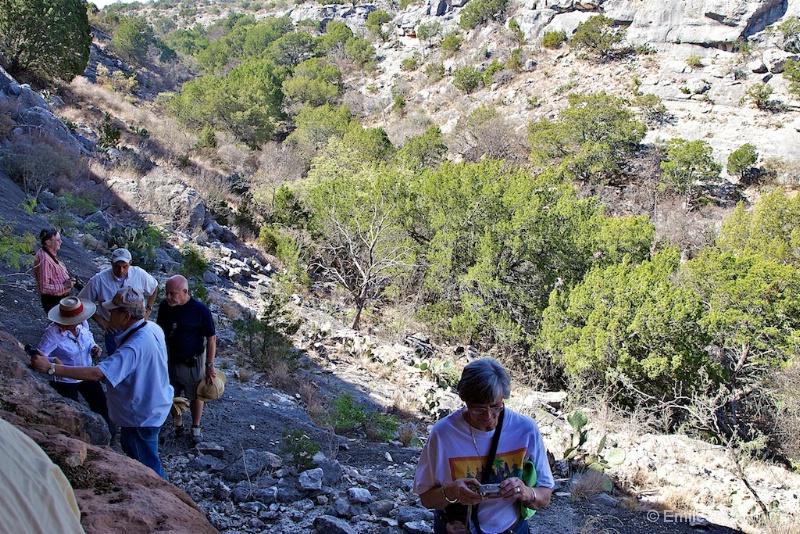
(451, 501)
(533, 498)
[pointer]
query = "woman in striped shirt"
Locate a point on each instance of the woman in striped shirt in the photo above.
(51, 274)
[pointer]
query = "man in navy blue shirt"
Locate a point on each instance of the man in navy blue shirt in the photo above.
(191, 346)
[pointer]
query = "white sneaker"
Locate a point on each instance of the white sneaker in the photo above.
(197, 434)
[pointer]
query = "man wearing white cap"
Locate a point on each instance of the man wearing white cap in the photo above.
(105, 284)
(139, 396)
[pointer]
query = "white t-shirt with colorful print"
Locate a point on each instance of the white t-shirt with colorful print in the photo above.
(450, 454)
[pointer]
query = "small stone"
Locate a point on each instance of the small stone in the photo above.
(359, 495)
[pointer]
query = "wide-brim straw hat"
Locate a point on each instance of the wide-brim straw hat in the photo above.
(71, 311)
(214, 390)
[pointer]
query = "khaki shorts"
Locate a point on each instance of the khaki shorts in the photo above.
(184, 378)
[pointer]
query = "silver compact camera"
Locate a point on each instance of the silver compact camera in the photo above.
(489, 490)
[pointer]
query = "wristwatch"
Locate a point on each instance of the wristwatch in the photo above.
(209, 365)
(149, 308)
(52, 370)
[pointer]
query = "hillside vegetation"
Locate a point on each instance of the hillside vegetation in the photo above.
(567, 231)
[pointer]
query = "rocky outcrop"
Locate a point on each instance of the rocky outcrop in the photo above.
(715, 23)
(163, 194)
(700, 22)
(114, 493)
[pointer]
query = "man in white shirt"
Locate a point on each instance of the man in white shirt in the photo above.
(104, 285)
(139, 394)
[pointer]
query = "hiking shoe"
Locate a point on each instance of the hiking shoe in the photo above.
(177, 424)
(197, 434)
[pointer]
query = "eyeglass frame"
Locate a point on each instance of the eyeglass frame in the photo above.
(482, 410)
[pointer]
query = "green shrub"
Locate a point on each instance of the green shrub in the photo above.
(742, 161)
(199, 291)
(109, 133)
(268, 239)
(15, 250)
(193, 263)
(694, 61)
(451, 43)
(554, 39)
(467, 79)
(361, 53)
(434, 72)
(132, 38)
(264, 338)
(77, 204)
(790, 29)
(380, 427)
(598, 38)
(409, 64)
(478, 12)
(207, 138)
(515, 60)
(759, 94)
(429, 30)
(375, 21)
(345, 415)
(399, 104)
(791, 71)
(300, 447)
(493, 68)
(516, 31)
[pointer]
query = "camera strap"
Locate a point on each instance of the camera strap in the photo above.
(129, 334)
(487, 468)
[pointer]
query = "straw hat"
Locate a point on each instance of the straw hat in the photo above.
(207, 392)
(71, 310)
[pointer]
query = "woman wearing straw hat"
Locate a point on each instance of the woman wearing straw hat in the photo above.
(52, 278)
(68, 341)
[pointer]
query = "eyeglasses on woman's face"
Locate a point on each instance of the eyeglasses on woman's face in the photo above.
(481, 410)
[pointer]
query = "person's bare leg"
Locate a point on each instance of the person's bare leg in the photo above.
(196, 406)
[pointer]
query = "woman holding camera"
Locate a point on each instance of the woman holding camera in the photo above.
(68, 341)
(472, 468)
(51, 274)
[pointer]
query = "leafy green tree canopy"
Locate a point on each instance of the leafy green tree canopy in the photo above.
(686, 165)
(741, 162)
(315, 126)
(478, 12)
(133, 38)
(246, 103)
(48, 37)
(598, 38)
(375, 21)
(591, 138)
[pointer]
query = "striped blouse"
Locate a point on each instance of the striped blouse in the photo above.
(50, 275)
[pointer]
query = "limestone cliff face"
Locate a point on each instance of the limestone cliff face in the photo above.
(700, 22)
(114, 493)
(662, 25)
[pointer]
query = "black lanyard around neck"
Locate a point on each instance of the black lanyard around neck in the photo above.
(487, 467)
(129, 334)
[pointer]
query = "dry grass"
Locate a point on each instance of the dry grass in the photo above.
(407, 432)
(594, 525)
(588, 484)
(281, 377)
(313, 398)
(400, 402)
(679, 500)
